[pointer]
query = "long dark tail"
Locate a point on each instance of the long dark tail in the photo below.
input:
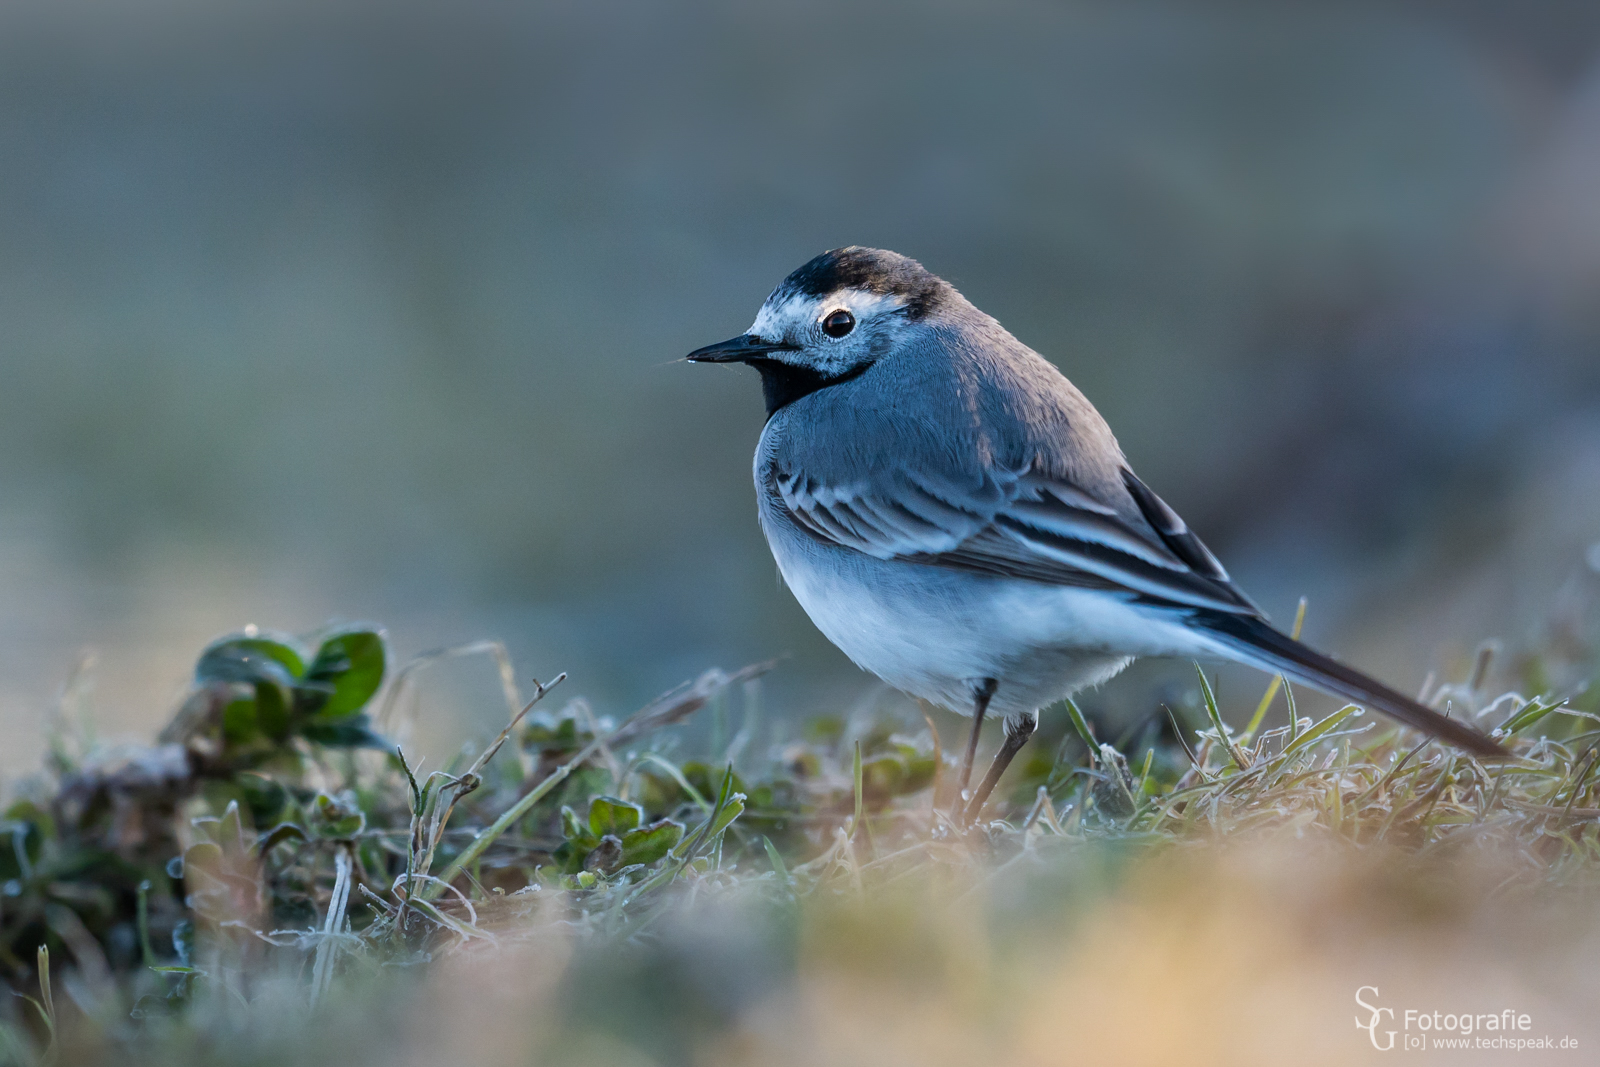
(1261, 645)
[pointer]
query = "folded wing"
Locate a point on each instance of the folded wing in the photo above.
(1029, 526)
(1019, 524)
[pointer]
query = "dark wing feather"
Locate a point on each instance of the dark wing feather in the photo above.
(1267, 648)
(1019, 525)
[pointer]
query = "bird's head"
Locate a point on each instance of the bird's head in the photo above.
(832, 319)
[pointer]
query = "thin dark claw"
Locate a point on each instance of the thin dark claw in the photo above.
(982, 693)
(1019, 728)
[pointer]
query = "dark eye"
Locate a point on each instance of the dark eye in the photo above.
(839, 323)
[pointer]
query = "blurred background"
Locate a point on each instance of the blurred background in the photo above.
(336, 309)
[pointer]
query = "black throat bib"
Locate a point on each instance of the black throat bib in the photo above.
(783, 383)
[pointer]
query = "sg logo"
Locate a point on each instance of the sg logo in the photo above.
(1371, 1025)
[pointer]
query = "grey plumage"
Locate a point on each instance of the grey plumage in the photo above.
(950, 509)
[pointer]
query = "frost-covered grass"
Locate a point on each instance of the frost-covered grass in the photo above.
(272, 882)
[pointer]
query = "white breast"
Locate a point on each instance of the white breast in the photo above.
(932, 631)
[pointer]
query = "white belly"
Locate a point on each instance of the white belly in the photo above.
(933, 632)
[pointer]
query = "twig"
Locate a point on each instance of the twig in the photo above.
(665, 710)
(430, 810)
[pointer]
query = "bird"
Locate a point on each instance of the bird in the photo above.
(955, 515)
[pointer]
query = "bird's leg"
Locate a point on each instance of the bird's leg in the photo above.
(1018, 729)
(982, 692)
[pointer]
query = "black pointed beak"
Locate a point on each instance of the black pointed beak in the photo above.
(740, 349)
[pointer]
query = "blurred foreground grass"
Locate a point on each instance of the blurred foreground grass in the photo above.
(273, 881)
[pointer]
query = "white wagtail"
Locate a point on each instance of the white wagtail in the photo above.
(958, 518)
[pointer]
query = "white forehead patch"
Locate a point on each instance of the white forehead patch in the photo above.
(782, 319)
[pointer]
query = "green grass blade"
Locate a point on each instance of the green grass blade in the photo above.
(855, 776)
(1240, 760)
(778, 866)
(46, 1002)
(1530, 713)
(677, 776)
(728, 807)
(1321, 728)
(1080, 724)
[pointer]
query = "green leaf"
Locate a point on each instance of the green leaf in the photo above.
(882, 777)
(352, 663)
(578, 832)
(649, 843)
(239, 726)
(241, 658)
(608, 815)
(273, 702)
(352, 732)
(21, 841)
(29, 812)
(918, 774)
(337, 818)
(542, 734)
(569, 856)
(265, 798)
